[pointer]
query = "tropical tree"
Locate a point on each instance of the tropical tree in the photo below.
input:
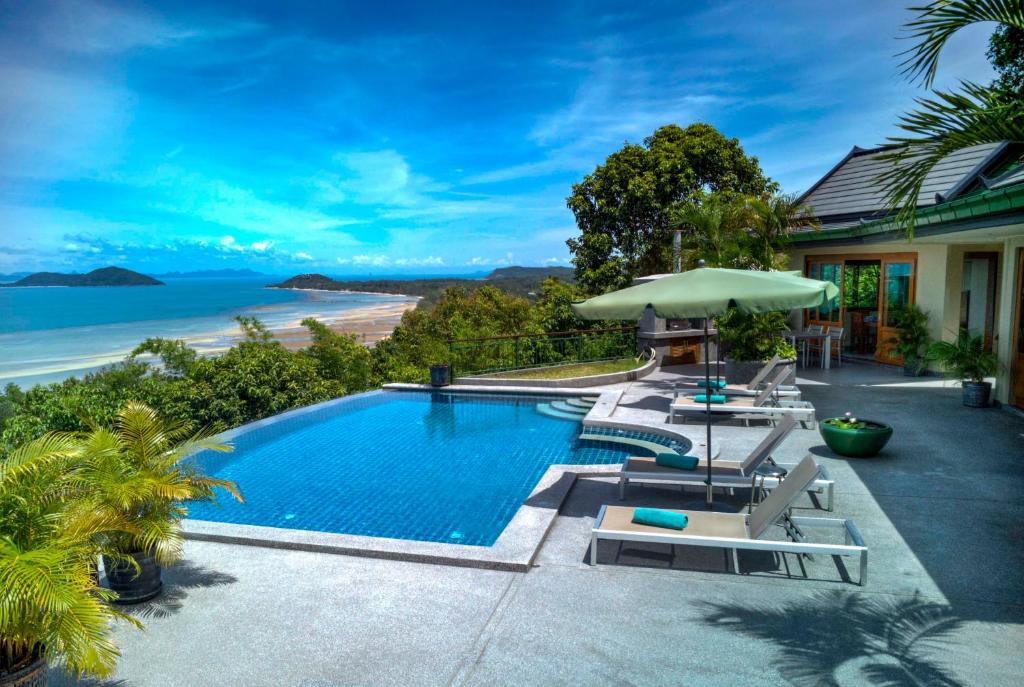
(340, 357)
(771, 222)
(51, 606)
(714, 229)
(627, 207)
(952, 120)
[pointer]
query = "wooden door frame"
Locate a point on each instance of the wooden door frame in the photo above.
(881, 258)
(1017, 369)
(991, 293)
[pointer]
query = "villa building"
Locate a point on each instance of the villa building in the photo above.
(964, 265)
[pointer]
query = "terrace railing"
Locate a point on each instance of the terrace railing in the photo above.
(518, 351)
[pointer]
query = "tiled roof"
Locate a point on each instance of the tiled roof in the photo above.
(850, 191)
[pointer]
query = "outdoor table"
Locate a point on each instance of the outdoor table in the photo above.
(826, 338)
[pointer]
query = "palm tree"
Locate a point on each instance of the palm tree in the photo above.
(51, 607)
(773, 219)
(948, 121)
(139, 471)
(714, 229)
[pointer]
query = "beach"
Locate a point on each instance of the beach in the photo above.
(107, 324)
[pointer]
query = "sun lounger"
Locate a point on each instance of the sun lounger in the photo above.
(725, 473)
(742, 530)
(764, 406)
(750, 389)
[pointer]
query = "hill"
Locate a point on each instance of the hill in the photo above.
(520, 281)
(106, 276)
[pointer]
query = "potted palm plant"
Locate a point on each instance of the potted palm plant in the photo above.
(911, 339)
(966, 361)
(51, 607)
(751, 339)
(140, 471)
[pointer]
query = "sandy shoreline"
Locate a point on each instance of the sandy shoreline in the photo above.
(370, 323)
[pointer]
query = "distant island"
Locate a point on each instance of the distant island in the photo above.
(106, 276)
(224, 273)
(521, 281)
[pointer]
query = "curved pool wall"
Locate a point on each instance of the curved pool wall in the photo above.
(450, 468)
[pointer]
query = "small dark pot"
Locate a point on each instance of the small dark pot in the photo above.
(133, 586)
(440, 375)
(856, 443)
(976, 394)
(34, 674)
(913, 368)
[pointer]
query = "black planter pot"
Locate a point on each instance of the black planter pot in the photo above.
(440, 375)
(33, 675)
(133, 585)
(913, 368)
(976, 394)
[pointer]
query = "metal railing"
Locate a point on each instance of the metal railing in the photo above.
(518, 351)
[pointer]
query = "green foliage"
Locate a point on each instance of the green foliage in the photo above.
(848, 421)
(421, 340)
(1006, 53)
(626, 208)
(964, 358)
(340, 357)
(912, 336)
(50, 602)
(951, 121)
(754, 336)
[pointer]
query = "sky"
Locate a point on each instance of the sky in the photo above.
(379, 137)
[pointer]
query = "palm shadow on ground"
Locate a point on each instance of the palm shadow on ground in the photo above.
(179, 580)
(838, 638)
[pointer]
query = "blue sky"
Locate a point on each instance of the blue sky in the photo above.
(385, 137)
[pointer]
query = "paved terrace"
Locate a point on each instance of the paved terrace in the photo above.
(941, 511)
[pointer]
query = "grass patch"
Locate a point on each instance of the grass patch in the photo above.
(577, 370)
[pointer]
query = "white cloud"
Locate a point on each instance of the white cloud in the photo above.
(429, 261)
(483, 262)
(303, 256)
(83, 26)
(262, 246)
(373, 260)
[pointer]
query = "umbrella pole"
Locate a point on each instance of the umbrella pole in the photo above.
(718, 356)
(707, 402)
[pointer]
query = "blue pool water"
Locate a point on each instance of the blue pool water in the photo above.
(403, 465)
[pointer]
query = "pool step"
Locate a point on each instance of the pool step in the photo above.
(565, 407)
(651, 446)
(546, 409)
(580, 403)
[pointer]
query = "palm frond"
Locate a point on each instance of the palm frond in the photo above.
(944, 124)
(940, 19)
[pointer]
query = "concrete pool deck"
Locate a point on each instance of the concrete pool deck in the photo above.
(940, 510)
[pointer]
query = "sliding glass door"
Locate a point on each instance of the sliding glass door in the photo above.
(872, 289)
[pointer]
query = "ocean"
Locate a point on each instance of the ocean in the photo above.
(49, 334)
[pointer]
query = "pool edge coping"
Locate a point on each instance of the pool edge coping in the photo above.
(514, 551)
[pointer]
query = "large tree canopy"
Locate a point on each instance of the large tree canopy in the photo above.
(627, 207)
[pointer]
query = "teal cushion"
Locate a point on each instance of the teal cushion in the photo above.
(655, 517)
(715, 398)
(674, 460)
(714, 384)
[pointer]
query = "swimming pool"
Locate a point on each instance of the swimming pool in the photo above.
(433, 467)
